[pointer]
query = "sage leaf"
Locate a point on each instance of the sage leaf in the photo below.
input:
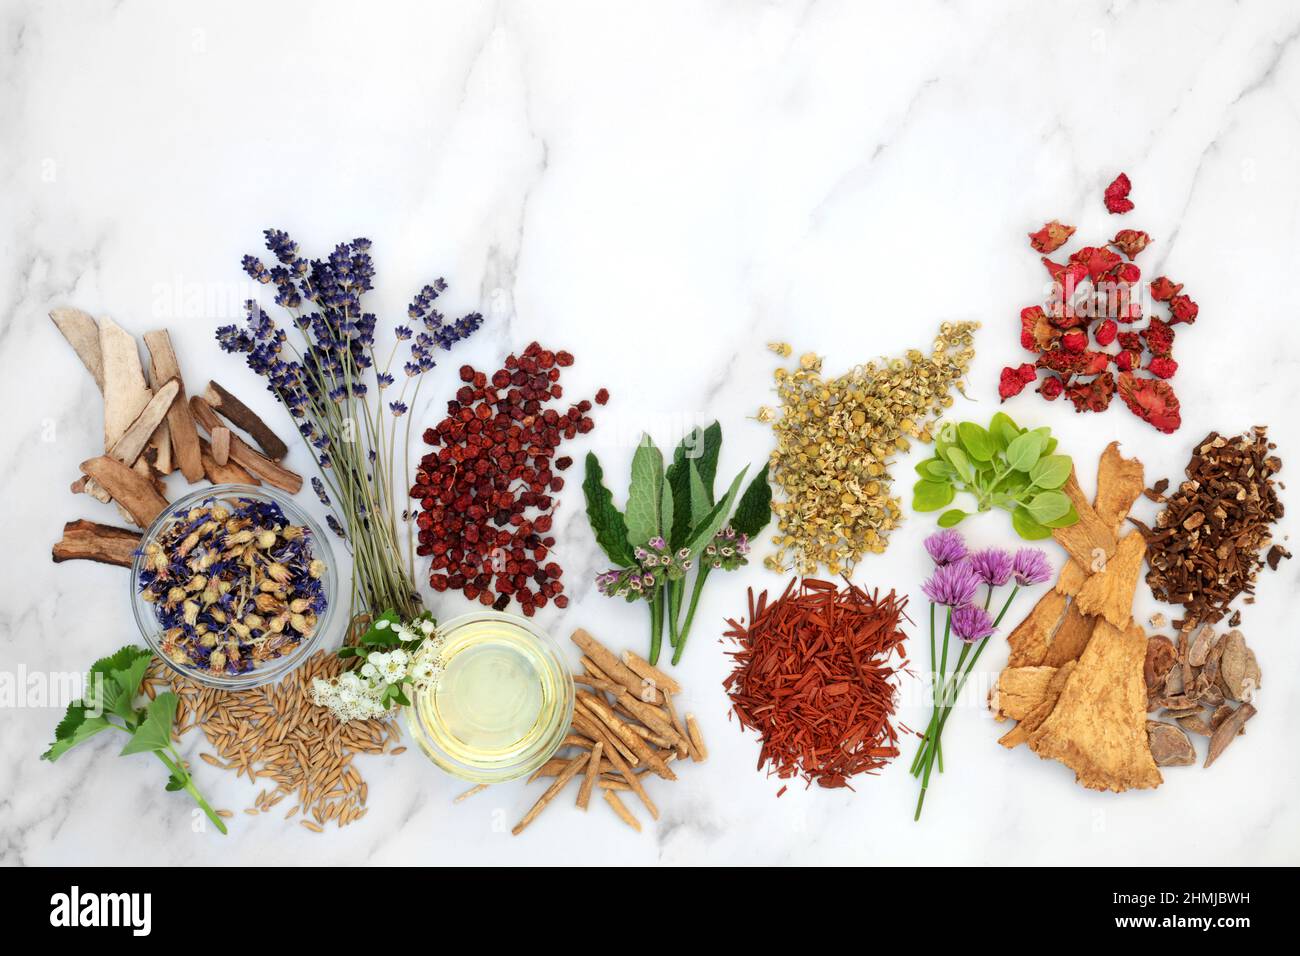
(1051, 471)
(645, 494)
(754, 510)
(606, 520)
(155, 731)
(931, 495)
(699, 503)
(716, 517)
(976, 441)
(952, 518)
(696, 446)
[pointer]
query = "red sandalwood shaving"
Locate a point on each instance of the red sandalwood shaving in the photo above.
(813, 676)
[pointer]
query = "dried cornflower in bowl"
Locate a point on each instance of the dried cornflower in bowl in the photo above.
(233, 586)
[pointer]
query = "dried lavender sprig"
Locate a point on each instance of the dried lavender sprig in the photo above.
(327, 387)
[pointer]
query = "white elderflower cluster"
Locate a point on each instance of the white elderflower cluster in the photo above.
(371, 691)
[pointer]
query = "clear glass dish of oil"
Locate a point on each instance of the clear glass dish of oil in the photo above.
(502, 703)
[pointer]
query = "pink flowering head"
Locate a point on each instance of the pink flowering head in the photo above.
(993, 565)
(952, 585)
(946, 547)
(1030, 567)
(971, 623)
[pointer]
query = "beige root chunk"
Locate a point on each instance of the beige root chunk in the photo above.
(1098, 727)
(1109, 593)
(1018, 734)
(1019, 690)
(1029, 641)
(1071, 637)
(180, 421)
(82, 333)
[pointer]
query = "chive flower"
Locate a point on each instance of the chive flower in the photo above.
(1031, 567)
(993, 565)
(952, 585)
(946, 547)
(971, 623)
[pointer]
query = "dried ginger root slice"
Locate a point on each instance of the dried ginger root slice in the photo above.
(1034, 719)
(1088, 539)
(1018, 691)
(1109, 592)
(1071, 637)
(1098, 726)
(1120, 481)
(1029, 641)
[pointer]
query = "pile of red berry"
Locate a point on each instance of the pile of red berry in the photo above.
(487, 493)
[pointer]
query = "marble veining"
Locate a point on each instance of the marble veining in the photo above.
(660, 189)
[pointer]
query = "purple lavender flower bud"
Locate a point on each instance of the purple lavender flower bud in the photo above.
(1031, 567)
(952, 585)
(971, 623)
(993, 565)
(946, 547)
(398, 408)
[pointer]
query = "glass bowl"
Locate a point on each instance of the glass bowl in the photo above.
(502, 704)
(268, 671)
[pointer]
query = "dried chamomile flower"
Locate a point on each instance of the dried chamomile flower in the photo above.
(835, 440)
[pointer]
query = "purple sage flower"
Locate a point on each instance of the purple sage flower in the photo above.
(971, 623)
(993, 565)
(1031, 567)
(952, 585)
(946, 547)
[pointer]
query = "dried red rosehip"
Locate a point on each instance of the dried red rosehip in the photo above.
(486, 493)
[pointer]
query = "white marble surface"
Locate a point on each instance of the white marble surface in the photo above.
(661, 190)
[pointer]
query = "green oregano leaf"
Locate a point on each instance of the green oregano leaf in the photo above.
(1048, 506)
(1024, 451)
(931, 495)
(1027, 527)
(976, 441)
(952, 518)
(1051, 471)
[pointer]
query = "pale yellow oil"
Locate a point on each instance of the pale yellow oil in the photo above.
(496, 699)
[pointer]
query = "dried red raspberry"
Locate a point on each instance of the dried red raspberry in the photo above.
(1051, 237)
(1162, 367)
(1151, 400)
(1051, 388)
(1105, 332)
(1074, 341)
(1159, 337)
(1013, 380)
(1093, 396)
(1130, 242)
(602, 396)
(1183, 309)
(1128, 360)
(1116, 195)
(1164, 289)
(1030, 320)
